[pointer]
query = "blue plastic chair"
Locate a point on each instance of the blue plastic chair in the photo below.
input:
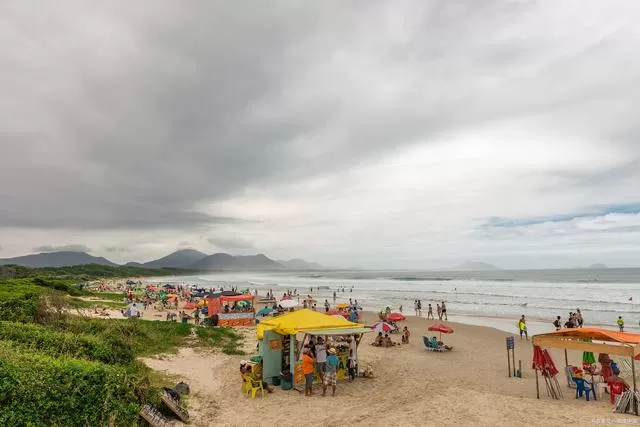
(584, 386)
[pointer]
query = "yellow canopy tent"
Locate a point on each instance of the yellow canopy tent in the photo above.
(303, 320)
(280, 349)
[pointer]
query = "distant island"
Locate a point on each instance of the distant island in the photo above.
(598, 266)
(475, 266)
(188, 259)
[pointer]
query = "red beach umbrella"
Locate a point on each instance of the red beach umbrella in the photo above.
(382, 327)
(396, 317)
(442, 328)
(538, 358)
(549, 366)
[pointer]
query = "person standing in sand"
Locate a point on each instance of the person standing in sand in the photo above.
(444, 311)
(522, 327)
(330, 375)
(620, 323)
(415, 306)
(321, 358)
(307, 370)
(579, 318)
(439, 310)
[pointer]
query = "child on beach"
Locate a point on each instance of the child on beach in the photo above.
(430, 312)
(351, 366)
(620, 323)
(557, 323)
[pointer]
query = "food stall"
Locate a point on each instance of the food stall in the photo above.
(282, 338)
(232, 310)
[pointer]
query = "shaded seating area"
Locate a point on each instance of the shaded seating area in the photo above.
(604, 377)
(432, 344)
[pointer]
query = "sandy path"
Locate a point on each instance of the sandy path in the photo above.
(412, 387)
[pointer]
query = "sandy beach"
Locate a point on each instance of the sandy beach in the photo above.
(411, 387)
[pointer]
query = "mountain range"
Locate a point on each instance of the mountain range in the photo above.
(185, 258)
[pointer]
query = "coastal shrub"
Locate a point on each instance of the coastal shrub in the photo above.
(222, 337)
(20, 309)
(58, 343)
(145, 337)
(41, 390)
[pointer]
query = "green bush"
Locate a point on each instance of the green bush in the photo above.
(146, 337)
(58, 343)
(40, 390)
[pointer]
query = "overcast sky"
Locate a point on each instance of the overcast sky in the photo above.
(388, 134)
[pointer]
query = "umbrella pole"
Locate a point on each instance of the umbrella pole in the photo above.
(566, 363)
(537, 385)
(635, 400)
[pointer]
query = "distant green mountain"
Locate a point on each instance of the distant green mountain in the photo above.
(56, 259)
(230, 262)
(178, 259)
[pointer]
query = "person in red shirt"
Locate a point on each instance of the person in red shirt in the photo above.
(307, 370)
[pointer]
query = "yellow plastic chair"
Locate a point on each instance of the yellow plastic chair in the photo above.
(246, 385)
(253, 386)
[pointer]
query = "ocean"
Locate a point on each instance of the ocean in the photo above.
(485, 298)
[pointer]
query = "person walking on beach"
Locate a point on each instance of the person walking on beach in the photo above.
(522, 327)
(415, 306)
(557, 323)
(439, 310)
(326, 305)
(419, 308)
(430, 312)
(444, 311)
(620, 323)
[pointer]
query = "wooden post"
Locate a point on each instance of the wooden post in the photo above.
(513, 359)
(520, 368)
(635, 402)
(566, 363)
(508, 363)
(537, 386)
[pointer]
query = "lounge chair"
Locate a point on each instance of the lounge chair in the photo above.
(428, 345)
(570, 375)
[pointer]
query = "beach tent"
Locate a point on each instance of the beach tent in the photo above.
(303, 320)
(281, 349)
(595, 340)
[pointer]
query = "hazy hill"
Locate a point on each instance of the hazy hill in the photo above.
(177, 259)
(300, 264)
(226, 261)
(598, 266)
(56, 259)
(475, 266)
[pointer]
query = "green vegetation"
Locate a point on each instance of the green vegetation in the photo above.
(226, 338)
(57, 369)
(89, 272)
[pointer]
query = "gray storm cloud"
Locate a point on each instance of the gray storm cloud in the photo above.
(144, 115)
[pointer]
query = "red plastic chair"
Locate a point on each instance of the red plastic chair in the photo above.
(615, 388)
